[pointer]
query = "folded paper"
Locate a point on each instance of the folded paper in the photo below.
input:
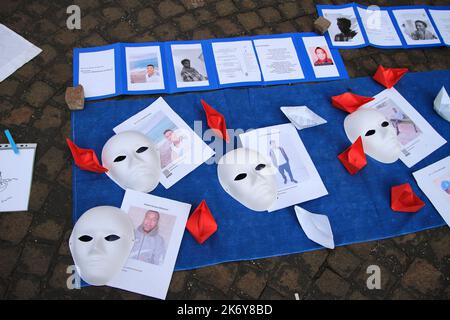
(317, 227)
(388, 77)
(403, 199)
(216, 121)
(442, 104)
(85, 159)
(354, 158)
(302, 117)
(201, 224)
(349, 102)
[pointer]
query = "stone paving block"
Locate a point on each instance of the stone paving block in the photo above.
(38, 94)
(290, 9)
(228, 27)
(343, 262)
(290, 279)
(19, 116)
(269, 14)
(250, 283)
(250, 20)
(186, 22)
(26, 288)
(39, 192)
(51, 118)
(36, 258)
(170, 8)
(331, 285)
(312, 261)
(220, 276)
(9, 257)
(51, 163)
(423, 277)
(225, 7)
(14, 226)
(48, 229)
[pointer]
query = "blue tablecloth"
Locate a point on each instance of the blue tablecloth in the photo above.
(358, 206)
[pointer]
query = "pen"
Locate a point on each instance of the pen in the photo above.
(11, 141)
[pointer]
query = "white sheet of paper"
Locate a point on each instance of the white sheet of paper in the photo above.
(434, 181)
(16, 174)
(15, 51)
(336, 36)
(317, 227)
(97, 73)
(278, 59)
(180, 156)
(194, 53)
(379, 27)
(417, 137)
(302, 182)
(406, 19)
(137, 59)
(316, 47)
(236, 62)
(143, 273)
(442, 20)
(302, 117)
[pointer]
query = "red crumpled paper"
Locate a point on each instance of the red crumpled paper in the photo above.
(403, 199)
(85, 159)
(216, 121)
(388, 77)
(354, 158)
(349, 102)
(201, 223)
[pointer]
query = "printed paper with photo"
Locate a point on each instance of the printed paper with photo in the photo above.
(159, 225)
(181, 150)
(189, 65)
(379, 27)
(297, 177)
(344, 30)
(442, 20)
(416, 136)
(144, 68)
(320, 57)
(416, 27)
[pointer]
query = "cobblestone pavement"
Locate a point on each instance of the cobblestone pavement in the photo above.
(33, 245)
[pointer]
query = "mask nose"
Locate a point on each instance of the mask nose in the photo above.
(134, 160)
(97, 248)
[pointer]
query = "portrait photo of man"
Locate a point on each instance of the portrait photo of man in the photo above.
(281, 161)
(189, 73)
(346, 34)
(151, 74)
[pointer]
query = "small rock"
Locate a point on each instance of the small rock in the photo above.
(75, 97)
(321, 25)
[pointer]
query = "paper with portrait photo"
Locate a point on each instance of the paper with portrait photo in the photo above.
(159, 227)
(144, 68)
(417, 137)
(181, 149)
(434, 181)
(189, 65)
(320, 57)
(416, 27)
(344, 30)
(442, 20)
(297, 177)
(236, 62)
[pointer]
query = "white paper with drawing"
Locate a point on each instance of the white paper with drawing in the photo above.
(180, 148)
(297, 177)
(16, 173)
(417, 137)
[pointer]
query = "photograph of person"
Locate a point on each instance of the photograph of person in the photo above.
(416, 26)
(406, 129)
(144, 68)
(345, 27)
(281, 161)
(152, 235)
(321, 56)
(418, 30)
(189, 65)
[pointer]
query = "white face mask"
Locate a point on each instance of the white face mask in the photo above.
(378, 134)
(100, 243)
(248, 177)
(132, 161)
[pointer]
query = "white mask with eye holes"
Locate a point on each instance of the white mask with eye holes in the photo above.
(249, 178)
(100, 243)
(378, 135)
(132, 160)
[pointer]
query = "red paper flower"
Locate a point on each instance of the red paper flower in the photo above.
(403, 199)
(354, 158)
(85, 159)
(349, 102)
(388, 77)
(201, 223)
(216, 121)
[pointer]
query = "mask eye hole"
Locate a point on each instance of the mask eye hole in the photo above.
(85, 238)
(370, 133)
(120, 158)
(384, 124)
(260, 166)
(112, 237)
(141, 149)
(240, 176)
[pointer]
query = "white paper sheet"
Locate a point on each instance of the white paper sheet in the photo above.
(302, 117)
(442, 20)
(317, 227)
(317, 49)
(16, 173)
(141, 273)
(138, 60)
(278, 59)
(236, 62)
(338, 38)
(15, 51)
(417, 137)
(177, 158)
(97, 73)
(379, 27)
(407, 20)
(434, 180)
(194, 53)
(297, 177)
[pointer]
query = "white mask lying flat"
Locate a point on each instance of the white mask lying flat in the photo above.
(378, 134)
(100, 243)
(132, 161)
(248, 177)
